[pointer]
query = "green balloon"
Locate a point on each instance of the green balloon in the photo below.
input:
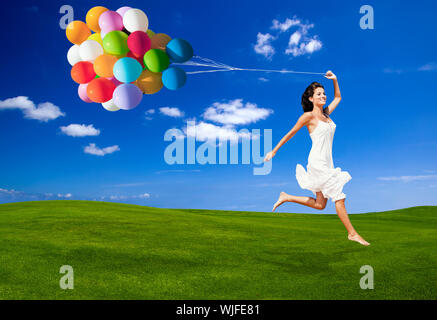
(115, 43)
(156, 60)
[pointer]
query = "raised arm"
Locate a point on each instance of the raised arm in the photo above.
(302, 121)
(337, 95)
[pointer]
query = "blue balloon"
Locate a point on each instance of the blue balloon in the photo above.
(179, 50)
(173, 78)
(127, 70)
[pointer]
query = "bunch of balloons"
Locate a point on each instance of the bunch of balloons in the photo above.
(123, 59)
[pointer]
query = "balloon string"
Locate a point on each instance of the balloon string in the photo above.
(212, 61)
(206, 71)
(224, 67)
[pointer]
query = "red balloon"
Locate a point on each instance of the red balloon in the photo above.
(139, 43)
(139, 59)
(83, 72)
(100, 90)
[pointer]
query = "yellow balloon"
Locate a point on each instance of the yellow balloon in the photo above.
(159, 41)
(77, 32)
(92, 18)
(149, 82)
(96, 37)
(150, 33)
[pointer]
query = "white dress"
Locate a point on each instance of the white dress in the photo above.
(321, 174)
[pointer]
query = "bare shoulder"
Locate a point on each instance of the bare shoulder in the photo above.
(306, 118)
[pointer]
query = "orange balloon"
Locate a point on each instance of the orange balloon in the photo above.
(159, 41)
(92, 18)
(100, 90)
(149, 82)
(104, 65)
(77, 32)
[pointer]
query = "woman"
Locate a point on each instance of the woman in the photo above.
(322, 178)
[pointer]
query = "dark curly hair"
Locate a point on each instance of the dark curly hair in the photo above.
(307, 105)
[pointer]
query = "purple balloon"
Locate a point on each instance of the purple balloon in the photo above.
(81, 90)
(127, 96)
(121, 11)
(110, 21)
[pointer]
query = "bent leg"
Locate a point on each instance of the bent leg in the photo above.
(319, 203)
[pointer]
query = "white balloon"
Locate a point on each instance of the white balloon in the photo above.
(110, 105)
(89, 50)
(103, 33)
(135, 20)
(73, 55)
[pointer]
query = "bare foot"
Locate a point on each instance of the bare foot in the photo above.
(282, 198)
(356, 237)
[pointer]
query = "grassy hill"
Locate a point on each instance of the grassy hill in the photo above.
(121, 251)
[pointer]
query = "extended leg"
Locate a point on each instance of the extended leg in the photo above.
(342, 214)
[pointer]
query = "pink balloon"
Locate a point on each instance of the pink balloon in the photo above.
(121, 11)
(139, 43)
(110, 21)
(115, 81)
(81, 90)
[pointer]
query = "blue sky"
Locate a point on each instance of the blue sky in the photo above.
(385, 137)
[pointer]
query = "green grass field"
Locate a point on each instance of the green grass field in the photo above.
(121, 251)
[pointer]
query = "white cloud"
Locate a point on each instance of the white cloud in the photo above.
(171, 112)
(295, 38)
(299, 43)
(127, 197)
(263, 79)
(43, 112)
(409, 178)
(14, 195)
(390, 70)
(10, 192)
(67, 195)
(263, 45)
(80, 130)
(133, 184)
(148, 113)
(303, 48)
(287, 24)
(428, 67)
(204, 131)
(93, 149)
(118, 197)
(235, 112)
(432, 66)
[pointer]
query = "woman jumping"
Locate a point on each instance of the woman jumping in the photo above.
(321, 177)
